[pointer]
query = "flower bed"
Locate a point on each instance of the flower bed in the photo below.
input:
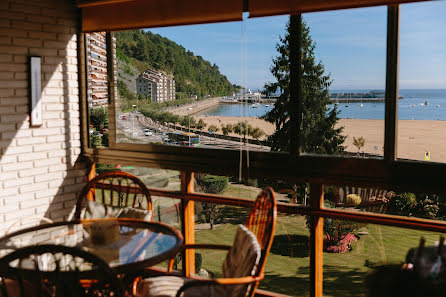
(343, 245)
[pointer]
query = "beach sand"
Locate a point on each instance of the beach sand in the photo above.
(414, 137)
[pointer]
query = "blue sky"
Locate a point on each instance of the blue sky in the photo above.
(350, 43)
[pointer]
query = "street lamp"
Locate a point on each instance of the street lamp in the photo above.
(133, 117)
(190, 108)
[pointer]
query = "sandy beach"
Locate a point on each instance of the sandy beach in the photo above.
(414, 137)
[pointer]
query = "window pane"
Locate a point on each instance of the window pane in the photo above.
(231, 186)
(422, 82)
(287, 266)
(350, 51)
(175, 89)
(385, 200)
(354, 252)
(97, 88)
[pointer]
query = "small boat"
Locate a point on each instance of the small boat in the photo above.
(421, 104)
(361, 105)
(267, 105)
(346, 105)
(438, 105)
(255, 105)
(412, 105)
(426, 103)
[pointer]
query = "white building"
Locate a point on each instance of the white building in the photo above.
(97, 90)
(155, 84)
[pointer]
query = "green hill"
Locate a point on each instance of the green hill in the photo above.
(139, 50)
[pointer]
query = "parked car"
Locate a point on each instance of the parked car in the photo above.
(147, 132)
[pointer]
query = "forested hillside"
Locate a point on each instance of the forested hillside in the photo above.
(193, 75)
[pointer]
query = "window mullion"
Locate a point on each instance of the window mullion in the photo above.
(112, 91)
(391, 108)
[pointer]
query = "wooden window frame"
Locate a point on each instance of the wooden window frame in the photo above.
(317, 170)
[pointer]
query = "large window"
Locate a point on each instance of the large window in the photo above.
(335, 180)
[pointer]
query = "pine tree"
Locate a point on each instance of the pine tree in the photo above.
(318, 133)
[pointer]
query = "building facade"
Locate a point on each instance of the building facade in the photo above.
(97, 86)
(155, 84)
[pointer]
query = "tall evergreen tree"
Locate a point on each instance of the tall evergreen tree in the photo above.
(317, 133)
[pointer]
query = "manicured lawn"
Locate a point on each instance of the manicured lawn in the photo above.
(287, 268)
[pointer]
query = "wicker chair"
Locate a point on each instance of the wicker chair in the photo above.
(115, 189)
(261, 223)
(54, 270)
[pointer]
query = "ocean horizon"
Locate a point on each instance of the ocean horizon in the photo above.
(417, 104)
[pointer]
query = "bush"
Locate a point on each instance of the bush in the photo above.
(353, 199)
(402, 204)
(213, 184)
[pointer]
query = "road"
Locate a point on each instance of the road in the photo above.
(132, 130)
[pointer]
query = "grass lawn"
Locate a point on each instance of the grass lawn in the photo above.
(287, 268)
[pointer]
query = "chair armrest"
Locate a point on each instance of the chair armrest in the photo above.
(220, 281)
(207, 246)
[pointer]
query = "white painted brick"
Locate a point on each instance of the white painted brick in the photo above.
(48, 177)
(8, 159)
(47, 162)
(32, 172)
(14, 215)
(17, 166)
(34, 202)
(4, 176)
(50, 192)
(18, 182)
(57, 168)
(9, 207)
(46, 132)
(31, 140)
(47, 147)
(32, 156)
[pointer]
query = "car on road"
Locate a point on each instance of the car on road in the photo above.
(147, 132)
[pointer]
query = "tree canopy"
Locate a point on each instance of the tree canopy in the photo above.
(193, 75)
(317, 133)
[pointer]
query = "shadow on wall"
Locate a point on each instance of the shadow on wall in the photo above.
(41, 162)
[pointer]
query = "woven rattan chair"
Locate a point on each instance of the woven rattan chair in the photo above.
(261, 223)
(54, 270)
(116, 189)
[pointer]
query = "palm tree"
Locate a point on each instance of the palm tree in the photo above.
(359, 142)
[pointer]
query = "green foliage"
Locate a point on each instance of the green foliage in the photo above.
(256, 133)
(353, 199)
(317, 132)
(95, 140)
(338, 228)
(213, 128)
(242, 128)
(201, 124)
(101, 168)
(124, 91)
(98, 117)
(402, 204)
(226, 129)
(105, 139)
(359, 142)
(193, 75)
(213, 184)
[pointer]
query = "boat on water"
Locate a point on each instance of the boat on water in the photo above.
(361, 105)
(438, 105)
(266, 105)
(255, 105)
(412, 105)
(426, 102)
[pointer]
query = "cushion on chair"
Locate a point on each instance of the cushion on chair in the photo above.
(168, 286)
(98, 210)
(241, 260)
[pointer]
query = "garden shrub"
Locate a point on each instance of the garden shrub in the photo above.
(353, 199)
(402, 204)
(213, 184)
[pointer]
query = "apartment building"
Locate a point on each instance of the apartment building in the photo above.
(155, 84)
(97, 87)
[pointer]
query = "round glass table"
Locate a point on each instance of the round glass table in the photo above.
(127, 245)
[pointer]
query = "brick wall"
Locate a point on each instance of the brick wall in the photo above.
(40, 171)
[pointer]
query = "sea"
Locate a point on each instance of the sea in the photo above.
(420, 104)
